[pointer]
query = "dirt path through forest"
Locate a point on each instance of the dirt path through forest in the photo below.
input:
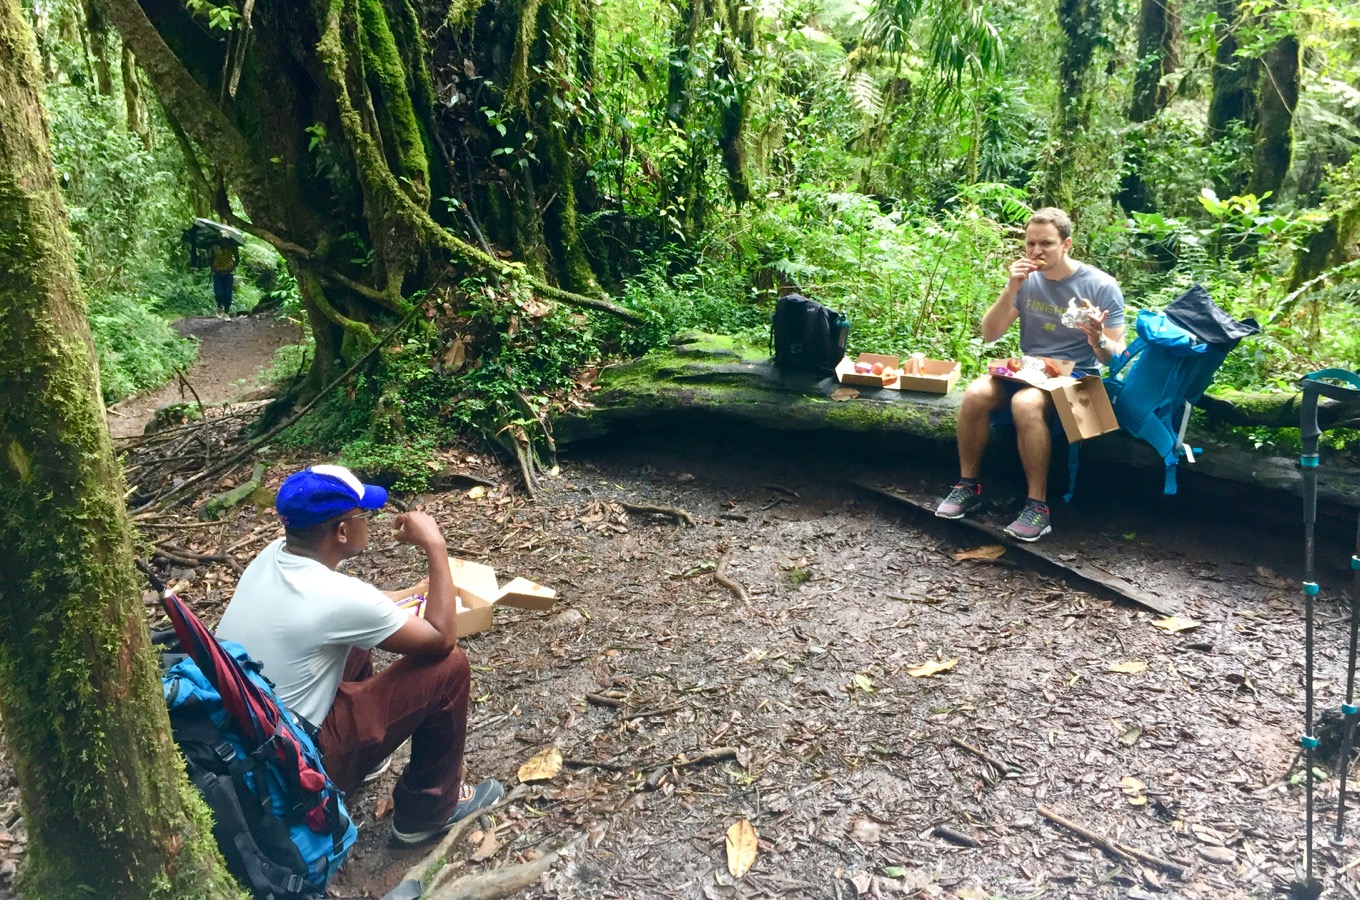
(231, 356)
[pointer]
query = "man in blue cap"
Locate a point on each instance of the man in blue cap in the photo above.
(313, 629)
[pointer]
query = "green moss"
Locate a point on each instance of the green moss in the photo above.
(385, 71)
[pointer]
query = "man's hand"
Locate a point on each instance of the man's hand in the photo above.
(1093, 325)
(1021, 269)
(417, 528)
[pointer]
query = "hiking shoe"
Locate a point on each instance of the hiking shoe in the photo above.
(470, 802)
(1031, 524)
(962, 500)
(379, 770)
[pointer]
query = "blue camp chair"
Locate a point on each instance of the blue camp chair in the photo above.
(1155, 382)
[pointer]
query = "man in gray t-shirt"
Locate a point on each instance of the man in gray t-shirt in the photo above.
(1040, 285)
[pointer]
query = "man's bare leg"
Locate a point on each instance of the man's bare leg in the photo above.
(983, 397)
(1030, 407)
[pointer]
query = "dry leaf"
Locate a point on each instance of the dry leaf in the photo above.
(477, 492)
(841, 394)
(866, 831)
(972, 892)
(383, 808)
(488, 846)
(1221, 855)
(931, 667)
(987, 551)
(1175, 624)
(741, 848)
(1132, 667)
(1130, 785)
(542, 766)
(862, 881)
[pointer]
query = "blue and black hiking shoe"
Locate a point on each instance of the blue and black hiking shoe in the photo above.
(964, 498)
(1032, 523)
(470, 801)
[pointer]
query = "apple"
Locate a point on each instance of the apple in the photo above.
(877, 368)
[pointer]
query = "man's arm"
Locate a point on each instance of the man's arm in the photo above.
(437, 633)
(1002, 314)
(1096, 332)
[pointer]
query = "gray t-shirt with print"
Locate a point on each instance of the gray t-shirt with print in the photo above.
(1042, 301)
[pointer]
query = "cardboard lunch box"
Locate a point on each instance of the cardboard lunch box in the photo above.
(479, 594)
(846, 374)
(1083, 406)
(931, 376)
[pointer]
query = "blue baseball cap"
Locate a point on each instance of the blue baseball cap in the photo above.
(319, 493)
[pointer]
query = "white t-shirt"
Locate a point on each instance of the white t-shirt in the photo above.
(299, 619)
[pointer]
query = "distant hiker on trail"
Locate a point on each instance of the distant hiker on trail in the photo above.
(313, 629)
(1039, 289)
(224, 262)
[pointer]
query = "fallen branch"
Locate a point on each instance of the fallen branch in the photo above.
(679, 515)
(182, 557)
(956, 837)
(1113, 847)
(602, 700)
(504, 881)
(218, 504)
(1001, 764)
(720, 575)
(658, 711)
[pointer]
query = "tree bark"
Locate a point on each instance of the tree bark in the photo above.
(1081, 23)
(133, 105)
(1233, 77)
(1158, 37)
(1277, 97)
(108, 809)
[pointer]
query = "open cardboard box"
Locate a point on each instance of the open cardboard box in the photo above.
(1082, 404)
(479, 595)
(846, 374)
(933, 376)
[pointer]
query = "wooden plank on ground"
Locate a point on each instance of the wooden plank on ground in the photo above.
(1037, 550)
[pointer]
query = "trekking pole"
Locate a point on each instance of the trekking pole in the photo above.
(1314, 385)
(1349, 711)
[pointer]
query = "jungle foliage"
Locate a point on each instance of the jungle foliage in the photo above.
(689, 158)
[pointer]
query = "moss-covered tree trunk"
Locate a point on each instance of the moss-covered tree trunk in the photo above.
(320, 116)
(1158, 35)
(108, 809)
(1233, 104)
(1081, 23)
(1277, 97)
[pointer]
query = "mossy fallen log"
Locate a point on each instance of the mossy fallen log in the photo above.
(216, 506)
(733, 382)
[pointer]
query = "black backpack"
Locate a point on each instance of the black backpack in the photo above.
(807, 336)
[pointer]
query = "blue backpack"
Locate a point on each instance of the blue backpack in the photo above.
(282, 840)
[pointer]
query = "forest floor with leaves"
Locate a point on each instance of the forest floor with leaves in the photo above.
(897, 711)
(893, 717)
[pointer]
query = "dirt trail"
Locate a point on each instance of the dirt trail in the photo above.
(231, 354)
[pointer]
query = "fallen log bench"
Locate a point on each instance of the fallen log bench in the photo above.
(728, 381)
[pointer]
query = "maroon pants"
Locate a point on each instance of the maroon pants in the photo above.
(424, 698)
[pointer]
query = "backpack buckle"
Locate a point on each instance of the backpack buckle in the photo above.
(225, 752)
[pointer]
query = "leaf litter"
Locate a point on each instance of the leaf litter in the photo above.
(721, 713)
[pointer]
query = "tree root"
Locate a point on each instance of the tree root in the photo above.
(679, 515)
(434, 861)
(504, 881)
(720, 575)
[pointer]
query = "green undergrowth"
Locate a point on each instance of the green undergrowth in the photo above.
(494, 363)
